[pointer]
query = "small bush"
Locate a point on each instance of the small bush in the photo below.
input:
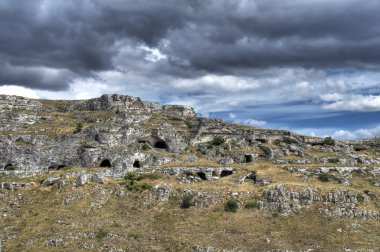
(288, 140)
(79, 127)
(145, 186)
(134, 235)
(101, 234)
(333, 160)
(324, 177)
(360, 199)
(132, 176)
(275, 214)
(145, 147)
(217, 140)
(116, 224)
(187, 201)
(329, 141)
(252, 204)
(231, 206)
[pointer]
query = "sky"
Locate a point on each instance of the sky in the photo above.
(309, 66)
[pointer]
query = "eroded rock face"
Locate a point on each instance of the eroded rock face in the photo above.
(81, 179)
(14, 185)
(51, 181)
(337, 203)
(161, 192)
(279, 199)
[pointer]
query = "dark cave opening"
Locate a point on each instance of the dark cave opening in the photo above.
(105, 163)
(226, 173)
(136, 164)
(202, 175)
(160, 145)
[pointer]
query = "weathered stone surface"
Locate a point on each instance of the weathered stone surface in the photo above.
(81, 179)
(205, 173)
(98, 178)
(14, 185)
(51, 181)
(161, 192)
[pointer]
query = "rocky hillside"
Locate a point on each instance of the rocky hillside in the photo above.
(120, 174)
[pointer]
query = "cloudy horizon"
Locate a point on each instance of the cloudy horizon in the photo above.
(312, 67)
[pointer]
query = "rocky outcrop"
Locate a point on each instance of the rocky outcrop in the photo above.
(202, 173)
(279, 199)
(15, 185)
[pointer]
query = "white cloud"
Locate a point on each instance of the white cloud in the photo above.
(360, 133)
(232, 115)
(17, 90)
(250, 121)
(361, 103)
(215, 83)
(331, 97)
(153, 54)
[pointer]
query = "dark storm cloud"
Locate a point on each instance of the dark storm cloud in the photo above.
(79, 38)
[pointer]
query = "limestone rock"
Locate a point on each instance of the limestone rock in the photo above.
(161, 192)
(51, 181)
(81, 179)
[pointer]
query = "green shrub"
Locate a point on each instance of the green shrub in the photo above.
(329, 141)
(288, 140)
(187, 201)
(116, 224)
(275, 214)
(79, 127)
(145, 147)
(360, 199)
(324, 177)
(134, 235)
(252, 204)
(133, 184)
(101, 234)
(133, 176)
(231, 206)
(217, 140)
(145, 186)
(333, 160)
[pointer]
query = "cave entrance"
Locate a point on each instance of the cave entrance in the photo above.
(61, 166)
(226, 173)
(137, 164)
(248, 158)
(202, 175)
(105, 163)
(160, 145)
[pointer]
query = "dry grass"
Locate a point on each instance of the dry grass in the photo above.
(167, 227)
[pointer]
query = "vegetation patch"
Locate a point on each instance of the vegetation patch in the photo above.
(333, 160)
(217, 140)
(324, 177)
(133, 184)
(329, 141)
(101, 233)
(187, 201)
(252, 204)
(231, 206)
(288, 140)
